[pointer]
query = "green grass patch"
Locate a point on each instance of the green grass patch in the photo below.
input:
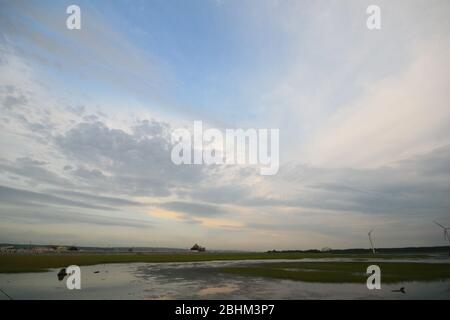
(15, 263)
(345, 272)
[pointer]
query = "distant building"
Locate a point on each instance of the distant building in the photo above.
(326, 249)
(198, 248)
(7, 249)
(41, 249)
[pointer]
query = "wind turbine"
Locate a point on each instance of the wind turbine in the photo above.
(446, 236)
(371, 241)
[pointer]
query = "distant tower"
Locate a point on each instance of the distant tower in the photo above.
(371, 241)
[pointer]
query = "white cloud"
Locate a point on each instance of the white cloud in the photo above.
(396, 117)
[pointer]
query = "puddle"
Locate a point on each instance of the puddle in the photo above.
(218, 290)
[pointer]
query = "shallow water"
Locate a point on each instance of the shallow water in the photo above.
(199, 280)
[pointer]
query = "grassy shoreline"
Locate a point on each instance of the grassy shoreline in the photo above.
(344, 272)
(18, 263)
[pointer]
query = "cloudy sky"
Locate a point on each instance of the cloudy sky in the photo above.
(86, 119)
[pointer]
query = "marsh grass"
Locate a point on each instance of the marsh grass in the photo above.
(345, 272)
(15, 263)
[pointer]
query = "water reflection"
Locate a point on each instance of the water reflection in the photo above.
(199, 280)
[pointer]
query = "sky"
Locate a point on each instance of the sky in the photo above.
(86, 120)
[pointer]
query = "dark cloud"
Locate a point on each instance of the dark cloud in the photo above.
(220, 195)
(109, 201)
(34, 172)
(11, 102)
(89, 174)
(137, 163)
(12, 195)
(193, 209)
(27, 161)
(18, 110)
(58, 216)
